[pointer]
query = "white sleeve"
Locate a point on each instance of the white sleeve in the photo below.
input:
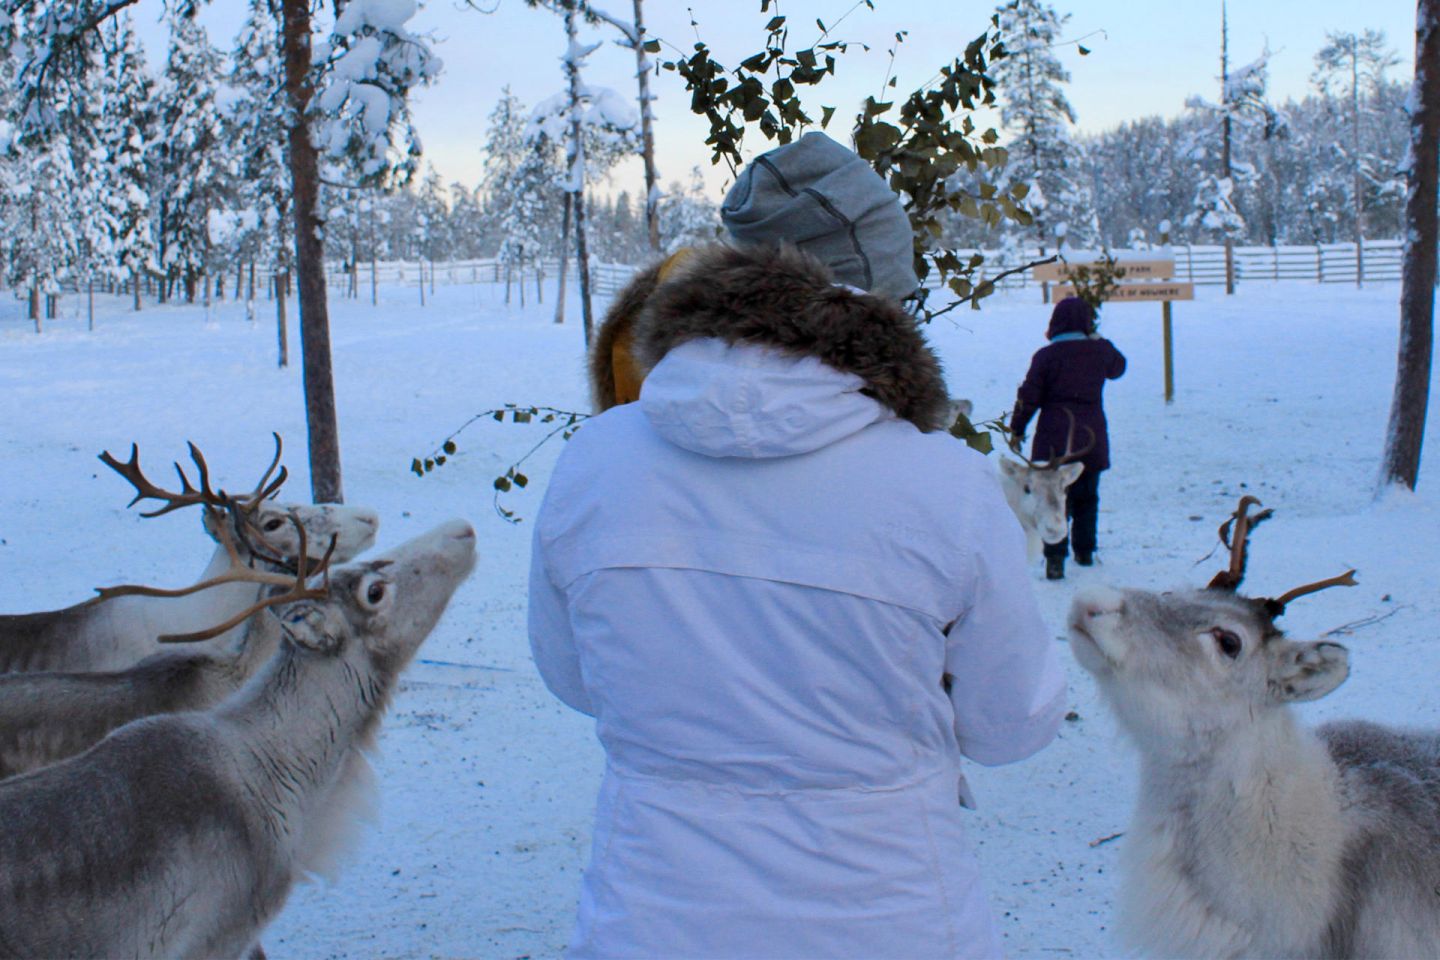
(552, 643)
(1006, 682)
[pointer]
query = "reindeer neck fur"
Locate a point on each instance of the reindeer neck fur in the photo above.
(114, 634)
(1238, 838)
(46, 716)
(135, 622)
(304, 726)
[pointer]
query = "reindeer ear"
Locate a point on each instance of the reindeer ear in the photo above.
(1011, 469)
(1307, 671)
(1070, 472)
(311, 626)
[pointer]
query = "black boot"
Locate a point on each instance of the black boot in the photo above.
(1054, 568)
(1084, 559)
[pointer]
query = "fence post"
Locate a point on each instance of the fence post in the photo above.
(1319, 265)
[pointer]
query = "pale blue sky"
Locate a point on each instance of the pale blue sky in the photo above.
(1147, 57)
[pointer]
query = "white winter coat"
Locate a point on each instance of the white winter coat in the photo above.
(746, 578)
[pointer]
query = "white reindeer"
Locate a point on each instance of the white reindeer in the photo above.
(116, 632)
(1036, 492)
(182, 835)
(1253, 836)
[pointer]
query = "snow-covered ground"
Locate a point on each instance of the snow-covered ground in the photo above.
(487, 783)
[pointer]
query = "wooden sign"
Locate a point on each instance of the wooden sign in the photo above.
(1134, 269)
(1135, 292)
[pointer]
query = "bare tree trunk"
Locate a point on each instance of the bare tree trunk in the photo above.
(564, 263)
(282, 334)
(90, 302)
(135, 285)
(35, 306)
(374, 273)
(324, 433)
(1355, 163)
(575, 154)
(582, 266)
(1406, 432)
(1225, 149)
(647, 133)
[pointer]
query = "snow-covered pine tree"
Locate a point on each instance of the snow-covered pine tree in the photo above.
(39, 219)
(505, 150)
(127, 134)
(635, 38)
(688, 216)
(1036, 116)
(51, 174)
(193, 171)
(1353, 66)
(467, 225)
(434, 208)
(255, 115)
(1243, 108)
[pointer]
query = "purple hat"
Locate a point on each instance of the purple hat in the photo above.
(1071, 315)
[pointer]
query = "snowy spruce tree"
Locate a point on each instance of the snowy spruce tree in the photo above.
(687, 214)
(127, 135)
(255, 116)
(1350, 70)
(1243, 107)
(1037, 116)
(193, 170)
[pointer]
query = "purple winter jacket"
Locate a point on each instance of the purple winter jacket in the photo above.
(1069, 375)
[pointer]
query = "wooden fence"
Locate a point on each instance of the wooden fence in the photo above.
(606, 279)
(1203, 265)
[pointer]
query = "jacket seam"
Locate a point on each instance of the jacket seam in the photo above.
(829, 208)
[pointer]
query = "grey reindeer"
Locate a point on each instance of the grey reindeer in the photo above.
(182, 835)
(1254, 836)
(48, 716)
(113, 632)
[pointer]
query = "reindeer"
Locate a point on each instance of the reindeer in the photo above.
(48, 716)
(181, 835)
(1036, 491)
(116, 631)
(1254, 836)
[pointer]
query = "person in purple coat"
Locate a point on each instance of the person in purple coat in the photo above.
(1069, 374)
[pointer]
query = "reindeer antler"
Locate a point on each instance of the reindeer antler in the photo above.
(1346, 579)
(189, 495)
(145, 490)
(1070, 454)
(240, 572)
(1238, 544)
(262, 491)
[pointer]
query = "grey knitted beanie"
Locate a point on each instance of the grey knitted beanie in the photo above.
(822, 198)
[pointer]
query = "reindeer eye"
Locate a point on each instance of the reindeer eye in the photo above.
(376, 592)
(1227, 640)
(1027, 489)
(273, 524)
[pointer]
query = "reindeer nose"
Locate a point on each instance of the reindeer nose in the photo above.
(1094, 602)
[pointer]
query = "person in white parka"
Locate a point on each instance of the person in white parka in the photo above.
(792, 603)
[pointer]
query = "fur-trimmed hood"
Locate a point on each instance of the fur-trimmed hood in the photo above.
(787, 300)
